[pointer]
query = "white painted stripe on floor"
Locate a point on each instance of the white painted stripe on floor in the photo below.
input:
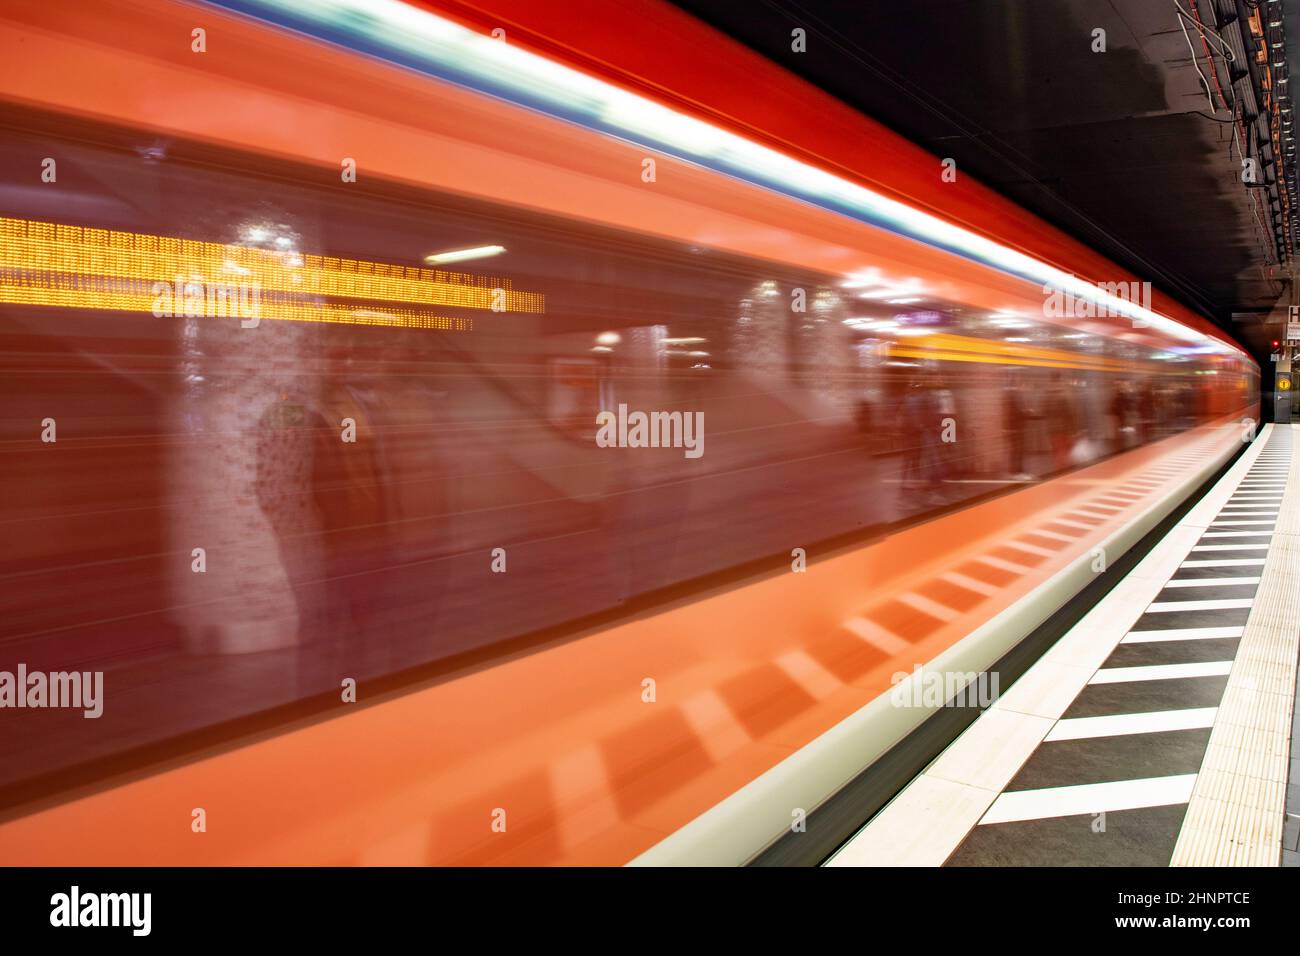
(1230, 547)
(1230, 604)
(1224, 563)
(1120, 725)
(801, 668)
(1055, 536)
(1210, 582)
(1237, 534)
(970, 584)
(1002, 565)
(875, 635)
(1029, 548)
(1182, 634)
(581, 786)
(1090, 798)
(1072, 524)
(926, 606)
(1124, 675)
(715, 725)
(1242, 524)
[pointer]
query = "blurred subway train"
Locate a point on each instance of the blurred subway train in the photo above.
(307, 324)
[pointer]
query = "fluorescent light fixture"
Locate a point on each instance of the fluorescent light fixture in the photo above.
(460, 255)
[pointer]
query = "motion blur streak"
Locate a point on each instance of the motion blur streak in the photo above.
(205, 533)
(395, 30)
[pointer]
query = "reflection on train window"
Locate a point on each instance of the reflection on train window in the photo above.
(290, 446)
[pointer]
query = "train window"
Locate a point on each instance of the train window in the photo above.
(246, 364)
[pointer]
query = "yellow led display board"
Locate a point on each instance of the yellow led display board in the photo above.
(53, 264)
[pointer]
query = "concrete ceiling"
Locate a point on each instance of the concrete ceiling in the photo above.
(1119, 148)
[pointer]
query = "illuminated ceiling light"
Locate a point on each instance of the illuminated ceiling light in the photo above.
(685, 340)
(460, 255)
(892, 292)
(609, 338)
(906, 300)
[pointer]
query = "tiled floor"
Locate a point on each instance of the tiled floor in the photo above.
(1104, 775)
(1114, 791)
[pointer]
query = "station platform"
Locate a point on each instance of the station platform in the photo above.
(1159, 730)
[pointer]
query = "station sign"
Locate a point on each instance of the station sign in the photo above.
(1293, 324)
